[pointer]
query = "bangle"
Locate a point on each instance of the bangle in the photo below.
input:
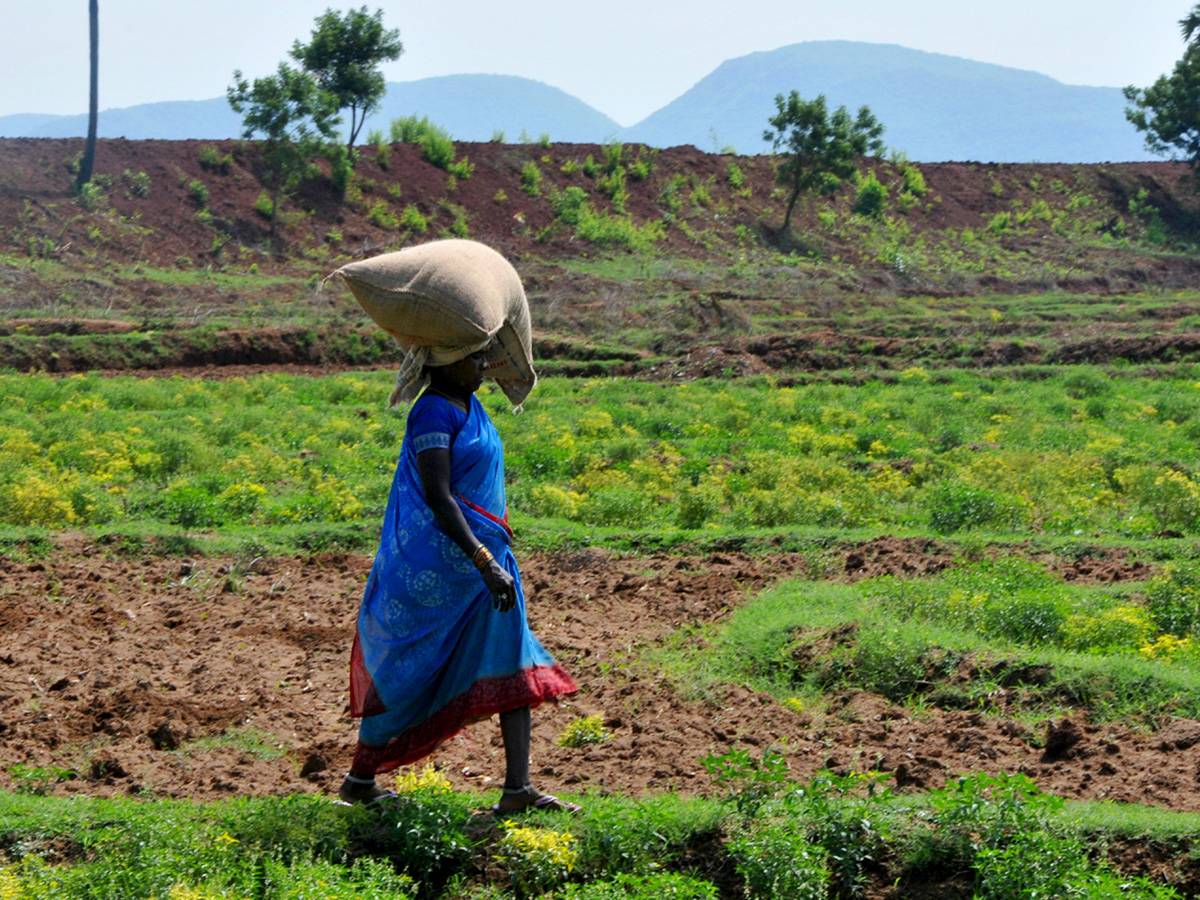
(481, 557)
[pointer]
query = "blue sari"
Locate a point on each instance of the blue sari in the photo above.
(431, 653)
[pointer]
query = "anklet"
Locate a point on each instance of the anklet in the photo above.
(354, 779)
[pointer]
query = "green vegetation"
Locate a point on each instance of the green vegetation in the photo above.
(213, 160)
(344, 55)
(1033, 644)
(815, 839)
(531, 179)
(1072, 453)
(435, 142)
(1167, 110)
(573, 208)
(581, 732)
(819, 149)
(296, 119)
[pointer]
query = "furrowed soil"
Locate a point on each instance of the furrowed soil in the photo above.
(162, 676)
(138, 673)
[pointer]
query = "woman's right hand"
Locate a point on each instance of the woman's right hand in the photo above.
(501, 584)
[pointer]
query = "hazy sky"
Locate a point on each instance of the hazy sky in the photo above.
(626, 58)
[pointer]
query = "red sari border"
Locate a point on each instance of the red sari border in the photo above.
(529, 687)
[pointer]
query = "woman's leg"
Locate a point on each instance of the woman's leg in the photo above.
(359, 785)
(516, 727)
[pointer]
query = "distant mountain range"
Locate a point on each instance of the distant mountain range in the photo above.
(935, 108)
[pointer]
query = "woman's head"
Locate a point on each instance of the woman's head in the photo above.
(465, 374)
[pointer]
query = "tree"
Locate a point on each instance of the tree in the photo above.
(1168, 111)
(296, 118)
(88, 163)
(344, 57)
(1190, 23)
(820, 148)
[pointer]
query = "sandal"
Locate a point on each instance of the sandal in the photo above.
(528, 797)
(363, 791)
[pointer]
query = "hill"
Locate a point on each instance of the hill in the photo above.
(476, 107)
(472, 107)
(935, 107)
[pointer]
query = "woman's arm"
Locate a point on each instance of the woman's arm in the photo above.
(433, 466)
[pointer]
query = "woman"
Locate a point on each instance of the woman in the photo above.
(442, 638)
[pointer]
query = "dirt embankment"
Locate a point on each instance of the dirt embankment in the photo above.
(189, 206)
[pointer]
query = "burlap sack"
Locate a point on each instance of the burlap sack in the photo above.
(449, 298)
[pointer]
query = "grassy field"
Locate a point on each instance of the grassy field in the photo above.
(1002, 362)
(1063, 453)
(769, 836)
(1070, 459)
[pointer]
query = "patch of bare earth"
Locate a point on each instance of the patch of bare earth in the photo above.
(115, 667)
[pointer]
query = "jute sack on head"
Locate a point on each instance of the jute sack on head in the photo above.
(443, 301)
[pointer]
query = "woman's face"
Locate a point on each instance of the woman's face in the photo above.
(467, 373)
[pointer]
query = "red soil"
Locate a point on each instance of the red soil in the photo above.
(119, 667)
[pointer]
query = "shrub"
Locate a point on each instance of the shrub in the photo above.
(955, 506)
(435, 142)
(263, 205)
(383, 154)
(870, 199)
(198, 192)
(438, 148)
(584, 731)
(459, 227)
(1173, 598)
(412, 219)
(570, 205)
(779, 861)
(891, 663)
(659, 886)
(1114, 629)
(531, 179)
(381, 215)
(537, 859)
(1026, 620)
(735, 176)
(91, 196)
(1000, 223)
(425, 831)
(1168, 495)
(463, 168)
(913, 181)
(212, 160)
(137, 182)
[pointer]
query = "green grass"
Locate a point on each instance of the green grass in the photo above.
(1052, 644)
(784, 838)
(1068, 453)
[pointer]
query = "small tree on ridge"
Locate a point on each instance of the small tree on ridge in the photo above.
(296, 118)
(1168, 111)
(820, 149)
(344, 56)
